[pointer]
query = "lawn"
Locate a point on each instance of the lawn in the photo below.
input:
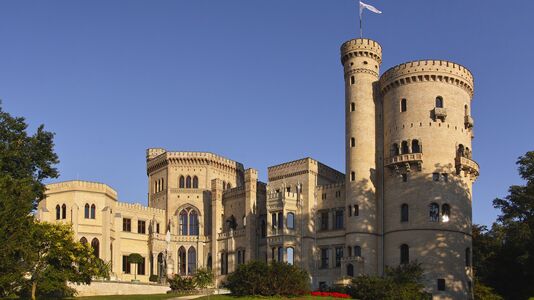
(228, 297)
(133, 297)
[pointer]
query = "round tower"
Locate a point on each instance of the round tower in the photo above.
(361, 59)
(429, 171)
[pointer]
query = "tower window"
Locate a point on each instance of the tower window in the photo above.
(352, 106)
(352, 80)
(467, 257)
(357, 251)
(339, 256)
(434, 212)
(439, 101)
(441, 284)
(404, 254)
(445, 213)
(404, 212)
(416, 147)
(63, 211)
(403, 105)
(435, 176)
(356, 210)
(405, 148)
(352, 142)
(352, 176)
(339, 219)
(404, 177)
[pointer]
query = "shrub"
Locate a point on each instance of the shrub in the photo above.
(153, 278)
(178, 283)
(258, 278)
(330, 294)
(203, 278)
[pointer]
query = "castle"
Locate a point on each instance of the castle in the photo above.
(405, 194)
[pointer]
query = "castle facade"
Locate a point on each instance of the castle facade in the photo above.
(405, 195)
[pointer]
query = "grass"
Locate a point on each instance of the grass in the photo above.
(133, 297)
(228, 297)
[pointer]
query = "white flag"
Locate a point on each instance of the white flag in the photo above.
(369, 7)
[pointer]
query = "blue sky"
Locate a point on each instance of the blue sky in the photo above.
(259, 82)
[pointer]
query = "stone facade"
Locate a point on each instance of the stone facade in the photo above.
(405, 194)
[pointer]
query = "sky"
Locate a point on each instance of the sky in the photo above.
(259, 82)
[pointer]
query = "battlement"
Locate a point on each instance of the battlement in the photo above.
(154, 152)
(191, 158)
(427, 70)
(361, 47)
(140, 208)
(236, 192)
(81, 185)
(338, 185)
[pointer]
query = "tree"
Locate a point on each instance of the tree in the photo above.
(135, 258)
(25, 161)
(57, 258)
(203, 278)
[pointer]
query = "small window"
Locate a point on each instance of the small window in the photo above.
(439, 102)
(324, 220)
(339, 256)
(403, 105)
(350, 210)
(404, 212)
(352, 142)
(445, 177)
(63, 211)
(323, 196)
(467, 257)
(195, 182)
(395, 150)
(325, 256)
(434, 212)
(141, 227)
(58, 212)
(404, 177)
(280, 254)
(339, 219)
(288, 189)
(445, 213)
(441, 284)
(352, 80)
(182, 182)
(127, 224)
(125, 265)
(404, 254)
(352, 176)
(157, 227)
(405, 148)
(356, 210)
(290, 220)
(352, 106)
(273, 220)
(357, 251)
(416, 147)
(290, 256)
(93, 211)
(435, 176)
(86, 213)
(188, 182)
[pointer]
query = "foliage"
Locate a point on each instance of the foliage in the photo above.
(153, 278)
(484, 292)
(203, 278)
(181, 284)
(509, 244)
(277, 278)
(57, 258)
(402, 282)
(330, 294)
(135, 258)
(25, 161)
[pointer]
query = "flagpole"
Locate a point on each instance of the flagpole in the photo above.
(361, 30)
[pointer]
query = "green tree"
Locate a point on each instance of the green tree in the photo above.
(25, 161)
(203, 278)
(57, 258)
(135, 258)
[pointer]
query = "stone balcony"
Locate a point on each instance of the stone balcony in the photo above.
(179, 238)
(232, 233)
(468, 166)
(405, 162)
(469, 122)
(440, 113)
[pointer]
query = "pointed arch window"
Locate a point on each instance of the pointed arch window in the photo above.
(439, 101)
(404, 254)
(183, 222)
(191, 260)
(58, 212)
(290, 255)
(195, 182)
(193, 223)
(93, 211)
(95, 244)
(182, 261)
(188, 182)
(434, 212)
(182, 182)
(83, 240)
(63, 211)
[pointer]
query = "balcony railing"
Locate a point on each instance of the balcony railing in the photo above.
(232, 233)
(469, 122)
(440, 113)
(467, 165)
(404, 158)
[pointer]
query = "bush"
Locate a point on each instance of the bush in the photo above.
(257, 278)
(181, 284)
(203, 278)
(330, 294)
(153, 278)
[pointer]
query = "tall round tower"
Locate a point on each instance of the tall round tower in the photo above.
(361, 59)
(429, 172)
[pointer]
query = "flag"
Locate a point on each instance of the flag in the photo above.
(369, 7)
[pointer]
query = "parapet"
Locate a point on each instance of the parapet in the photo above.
(190, 158)
(361, 47)
(81, 185)
(427, 70)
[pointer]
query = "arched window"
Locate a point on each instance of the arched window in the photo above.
(63, 211)
(434, 212)
(404, 212)
(228, 186)
(280, 220)
(86, 211)
(290, 220)
(195, 182)
(404, 254)
(191, 260)
(405, 148)
(357, 251)
(350, 270)
(193, 223)
(395, 150)
(280, 254)
(445, 213)
(467, 257)
(352, 106)
(188, 182)
(356, 210)
(290, 257)
(162, 184)
(58, 212)
(181, 261)
(416, 147)
(183, 222)
(461, 150)
(95, 244)
(182, 182)
(403, 105)
(439, 101)
(224, 185)
(93, 211)
(83, 240)
(263, 229)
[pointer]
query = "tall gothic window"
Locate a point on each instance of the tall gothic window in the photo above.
(445, 213)
(58, 212)
(64, 211)
(195, 182)
(191, 260)
(290, 220)
(188, 182)
(182, 182)
(181, 261)
(193, 223)
(86, 211)
(183, 222)
(93, 211)
(95, 244)
(290, 255)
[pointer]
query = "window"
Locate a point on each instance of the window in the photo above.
(352, 142)
(83, 240)
(263, 229)
(434, 212)
(181, 261)
(228, 186)
(404, 212)
(86, 211)
(272, 253)
(191, 260)
(93, 211)
(395, 150)
(339, 219)
(467, 257)
(290, 256)
(352, 176)
(323, 196)
(188, 182)
(280, 220)
(224, 263)
(403, 105)
(193, 223)
(324, 220)
(288, 189)
(439, 101)
(445, 213)
(325, 253)
(183, 222)
(95, 244)
(240, 257)
(350, 270)
(127, 224)
(63, 211)
(416, 147)
(125, 264)
(141, 227)
(441, 284)
(141, 267)
(349, 209)
(157, 227)
(357, 251)
(435, 176)
(404, 254)
(405, 148)
(356, 210)
(290, 220)
(182, 182)
(339, 255)
(445, 177)
(273, 221)
(280, 254)
(352, 80)
(404, 177)
(58, 212)
(195, 182)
